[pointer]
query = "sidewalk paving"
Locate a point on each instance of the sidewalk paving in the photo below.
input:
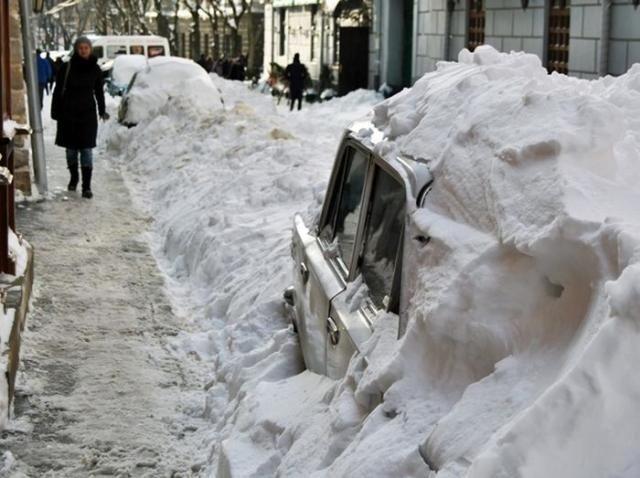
(100, 390)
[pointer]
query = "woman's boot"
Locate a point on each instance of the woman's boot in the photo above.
(73, 169)
(86, 182)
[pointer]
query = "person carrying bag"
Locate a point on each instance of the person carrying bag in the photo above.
(79, 89)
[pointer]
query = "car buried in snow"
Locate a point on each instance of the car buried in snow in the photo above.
(164, 80)
(348, 266)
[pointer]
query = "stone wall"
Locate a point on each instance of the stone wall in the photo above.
(625, 36)
(22, 147)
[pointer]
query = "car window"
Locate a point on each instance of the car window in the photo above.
(114, 50)
(383, 234)
(136, 49)
(346, 202)
(155, 50)
(98, 51)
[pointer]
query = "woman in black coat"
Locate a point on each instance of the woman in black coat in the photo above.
(79, 86)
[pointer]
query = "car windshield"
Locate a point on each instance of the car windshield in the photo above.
(383, 235)
(348, 212)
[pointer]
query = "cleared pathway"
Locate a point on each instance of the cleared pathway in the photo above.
(101, 391)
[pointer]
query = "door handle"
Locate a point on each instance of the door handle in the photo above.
(304, 272)
(333, 331)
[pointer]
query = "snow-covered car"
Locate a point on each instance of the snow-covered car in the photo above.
(355, 249)
(122, 70)
(167, 79)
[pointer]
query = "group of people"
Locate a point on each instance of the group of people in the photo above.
(230, 68)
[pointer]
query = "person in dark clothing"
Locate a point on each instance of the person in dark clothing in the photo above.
(52, 65)
(202, 61)
(79, 87)
(296, 75)
(44, 75)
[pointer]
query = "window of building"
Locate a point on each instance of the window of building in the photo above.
(283, 30)
(475, 32)
(313, 32)
(558, 37)
(183, 45)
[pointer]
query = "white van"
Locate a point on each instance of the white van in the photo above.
(107, 47)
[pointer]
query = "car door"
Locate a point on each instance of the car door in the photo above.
(377, 261)
(323, 258)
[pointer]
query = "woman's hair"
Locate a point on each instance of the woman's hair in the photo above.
(79, 41)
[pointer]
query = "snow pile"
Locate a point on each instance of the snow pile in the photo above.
(522, 310)
(523, 307)
(125, 66)
(9, 128)
(222, 188)
(170, 80)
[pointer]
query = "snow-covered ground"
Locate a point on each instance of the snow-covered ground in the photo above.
(519, 355)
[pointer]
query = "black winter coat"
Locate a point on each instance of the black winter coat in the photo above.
(74, 106)
(296, 75)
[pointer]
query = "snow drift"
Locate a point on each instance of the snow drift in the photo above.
(522, 310)
(168, 79)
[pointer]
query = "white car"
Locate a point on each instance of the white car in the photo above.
(168, 79)
(121, 72)
(354, 249)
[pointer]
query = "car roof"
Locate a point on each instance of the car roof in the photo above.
(415, 170)
(120, 38)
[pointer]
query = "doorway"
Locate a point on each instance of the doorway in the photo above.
(354, 59)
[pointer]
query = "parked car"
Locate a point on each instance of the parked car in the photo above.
(167, 78)
(358, 240)
(121, 71)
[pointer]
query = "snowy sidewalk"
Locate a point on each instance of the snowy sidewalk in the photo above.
(100, 391)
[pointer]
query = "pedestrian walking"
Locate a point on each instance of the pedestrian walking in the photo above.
(52, 76)
(296, 75)
(44, 75)
(79, 86)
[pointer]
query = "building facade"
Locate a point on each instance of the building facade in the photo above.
(332, 38)
(583, 38)
(407, 38)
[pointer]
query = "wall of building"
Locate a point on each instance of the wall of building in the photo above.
(625, 36)
(305, 32)
(22, 147)
(509, 27)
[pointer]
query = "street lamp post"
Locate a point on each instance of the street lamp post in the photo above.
(37, 138)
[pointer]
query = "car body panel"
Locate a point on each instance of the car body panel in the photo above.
(326, 313)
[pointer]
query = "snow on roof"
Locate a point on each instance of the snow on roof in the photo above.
(125, 66)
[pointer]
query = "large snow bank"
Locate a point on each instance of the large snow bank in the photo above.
(222, 188)
(522, 323)
(170, 79)
(522, 310)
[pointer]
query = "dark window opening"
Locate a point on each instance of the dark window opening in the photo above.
(283, 31)
(558, 37)
(476, 24)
